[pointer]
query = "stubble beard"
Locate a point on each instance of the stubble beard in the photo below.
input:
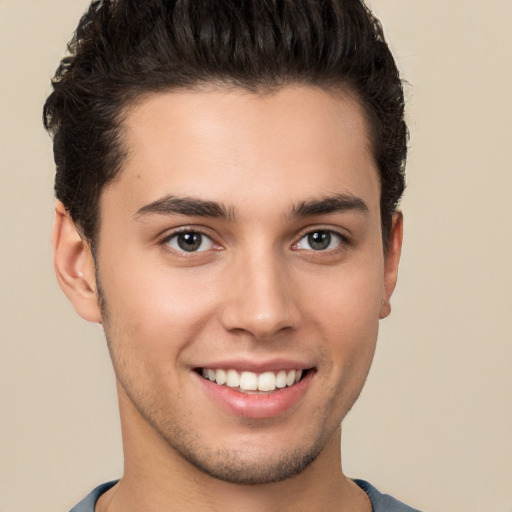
(234, 466)
(238, 466)
(248, 465)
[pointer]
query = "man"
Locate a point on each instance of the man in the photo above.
(228, 175)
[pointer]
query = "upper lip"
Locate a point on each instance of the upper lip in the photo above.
(251, 365)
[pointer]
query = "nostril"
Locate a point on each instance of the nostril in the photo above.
(260, 304)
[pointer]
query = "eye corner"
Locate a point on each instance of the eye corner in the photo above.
(188, 241)
(321, 240)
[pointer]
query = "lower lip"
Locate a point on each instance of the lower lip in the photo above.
(267, 405)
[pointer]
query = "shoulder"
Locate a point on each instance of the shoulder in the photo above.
(88, 503)
(383, 502)
(380, 502)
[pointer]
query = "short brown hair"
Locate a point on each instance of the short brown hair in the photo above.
(123, 49)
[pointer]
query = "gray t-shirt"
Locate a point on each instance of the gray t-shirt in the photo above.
(380, 502)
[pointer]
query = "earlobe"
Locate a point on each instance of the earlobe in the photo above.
(391, 262)
(74, 266)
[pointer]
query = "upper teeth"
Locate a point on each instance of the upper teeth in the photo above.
(249, 381)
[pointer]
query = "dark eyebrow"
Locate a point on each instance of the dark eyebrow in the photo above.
(170, 205)
(331, 204)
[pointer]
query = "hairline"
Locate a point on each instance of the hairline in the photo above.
(340, 90)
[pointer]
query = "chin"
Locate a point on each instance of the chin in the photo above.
(239, 467)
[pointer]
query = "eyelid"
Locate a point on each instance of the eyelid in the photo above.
(336, 230)
(168, 235)
(343, 238)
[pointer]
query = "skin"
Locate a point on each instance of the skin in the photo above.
(256, 291)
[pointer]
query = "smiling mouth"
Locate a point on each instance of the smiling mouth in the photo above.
(250, 382)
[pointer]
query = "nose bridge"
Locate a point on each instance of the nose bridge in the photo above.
(260, 298)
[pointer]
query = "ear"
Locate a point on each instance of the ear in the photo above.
(391, 262)
(74, 266)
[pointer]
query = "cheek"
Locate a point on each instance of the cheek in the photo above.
(351, 298)
(155, 312)
(347, 315)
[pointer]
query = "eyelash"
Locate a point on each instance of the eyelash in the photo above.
(343, 240)
(185, 230)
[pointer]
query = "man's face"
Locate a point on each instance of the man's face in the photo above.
(242, 239)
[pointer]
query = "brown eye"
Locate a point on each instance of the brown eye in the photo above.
(190, 241)
(320, 240)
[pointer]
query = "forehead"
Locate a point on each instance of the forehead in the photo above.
(234, 146)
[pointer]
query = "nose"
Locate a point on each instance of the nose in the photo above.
(260, 298)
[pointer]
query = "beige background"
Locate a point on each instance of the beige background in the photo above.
(434, 425)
